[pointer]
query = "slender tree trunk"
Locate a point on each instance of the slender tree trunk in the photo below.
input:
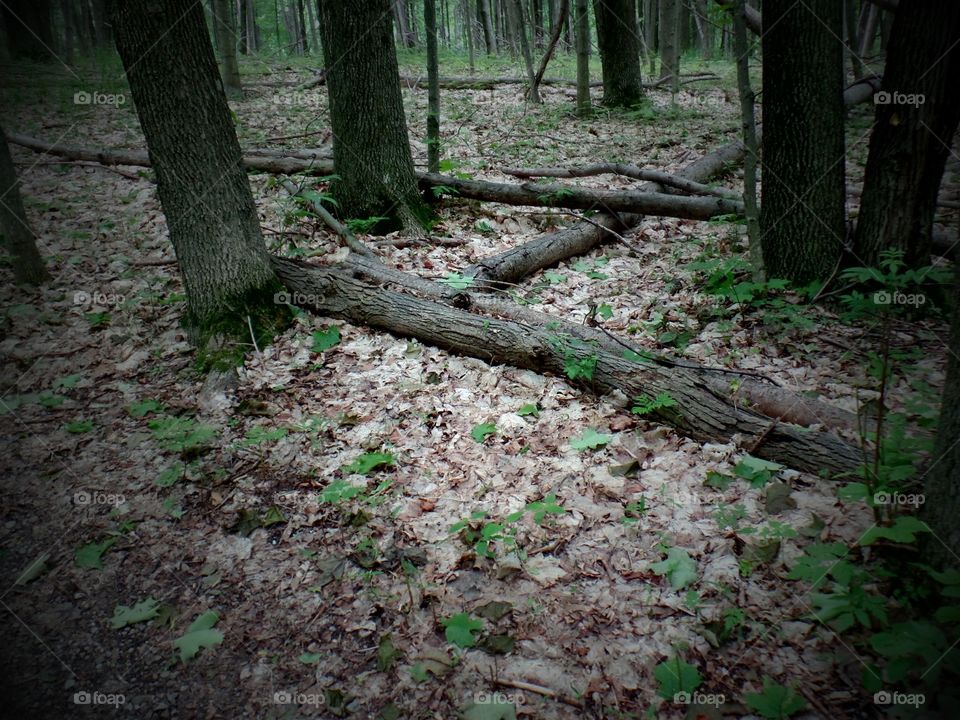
(433, 74)
(619, 52)
(203, 187)
(253, 34)
(669, 36)
(869, 34)
(302, 29)
(224, 30)
(29, 30)
(650, 12)
(705, 28)
(370, 144)
(488, 32)
(469, 25)
(941, 506)
(853, 41)
(241, 7)
(515, 8)
(18, 238)
(748, 121)
(802, 219)
(312, 22)
(911, 139)
(559, 21)
(582, 14)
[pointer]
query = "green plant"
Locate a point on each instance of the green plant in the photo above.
(775, 702)
(364, 225)
(647, 405)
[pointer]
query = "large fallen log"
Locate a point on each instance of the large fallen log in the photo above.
(461, 83)
(582, 198)
(699, 411)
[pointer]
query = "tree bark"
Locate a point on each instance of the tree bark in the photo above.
(942, 483)
(18, 237)
(619, 52)
(433, 73)
(558, 24)
(802, 220)
(201, 182)
(370, 144)
(226, 35)
(700, 412)
(754, 19)
(515, 10)
(584, 104)
(669, 45)
(489, 35)
(911, 140)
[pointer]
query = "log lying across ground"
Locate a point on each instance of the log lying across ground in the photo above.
(463, 83)
(698, 412)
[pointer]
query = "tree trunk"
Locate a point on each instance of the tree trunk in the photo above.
(312, 22)
(225, 34)
(911, 137)
(669, 45)
(650, 13)
(253, 34)
(748, 121)
(941, 506)
(433, 100)
(370, 146)
(705, 28)
(619, 52)
(29, 31)
(802, 219)
(488, 32)
(853, 41)
(18, 237)
(302, 29)
(582, 13)
(201, 182)
(515, 9)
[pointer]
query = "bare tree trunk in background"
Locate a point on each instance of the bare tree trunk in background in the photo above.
(582, 14)
(669, 40)
(433, 75)
(705, 28)
(515, 9)
(29, 31)
(18, 238)
(488, 32)
(539, 31)
(853, 41)
(558, 23)
(302, 29)
(312, 22)
(869, 33)
(619, 52)
(224, 30)
(651, 10)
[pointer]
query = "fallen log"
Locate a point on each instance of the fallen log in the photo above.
(626, 170)
(581, 198)
(699, 412)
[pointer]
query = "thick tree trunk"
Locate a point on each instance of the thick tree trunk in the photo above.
(302, 29)
(942, 482)
(489, 34)
(802, 219)
(201, 181)
(619, 52)
(224, 30)
(918, 110)
(370, 146)
(669, 45)
(18, 238)
(29, 31)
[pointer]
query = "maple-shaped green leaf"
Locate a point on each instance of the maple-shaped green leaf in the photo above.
(776, 702)
(141, 612)
(90, 555)
(903, 530)
(460, 629)
(199, 635)
(676, 676)
(325, 339)
(482, 431)
(679, 568)
(368, 462)
(590, 440)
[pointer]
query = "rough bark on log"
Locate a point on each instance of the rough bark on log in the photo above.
(699, 412)
(581, 198)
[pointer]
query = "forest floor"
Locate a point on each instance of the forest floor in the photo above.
(340, 587)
